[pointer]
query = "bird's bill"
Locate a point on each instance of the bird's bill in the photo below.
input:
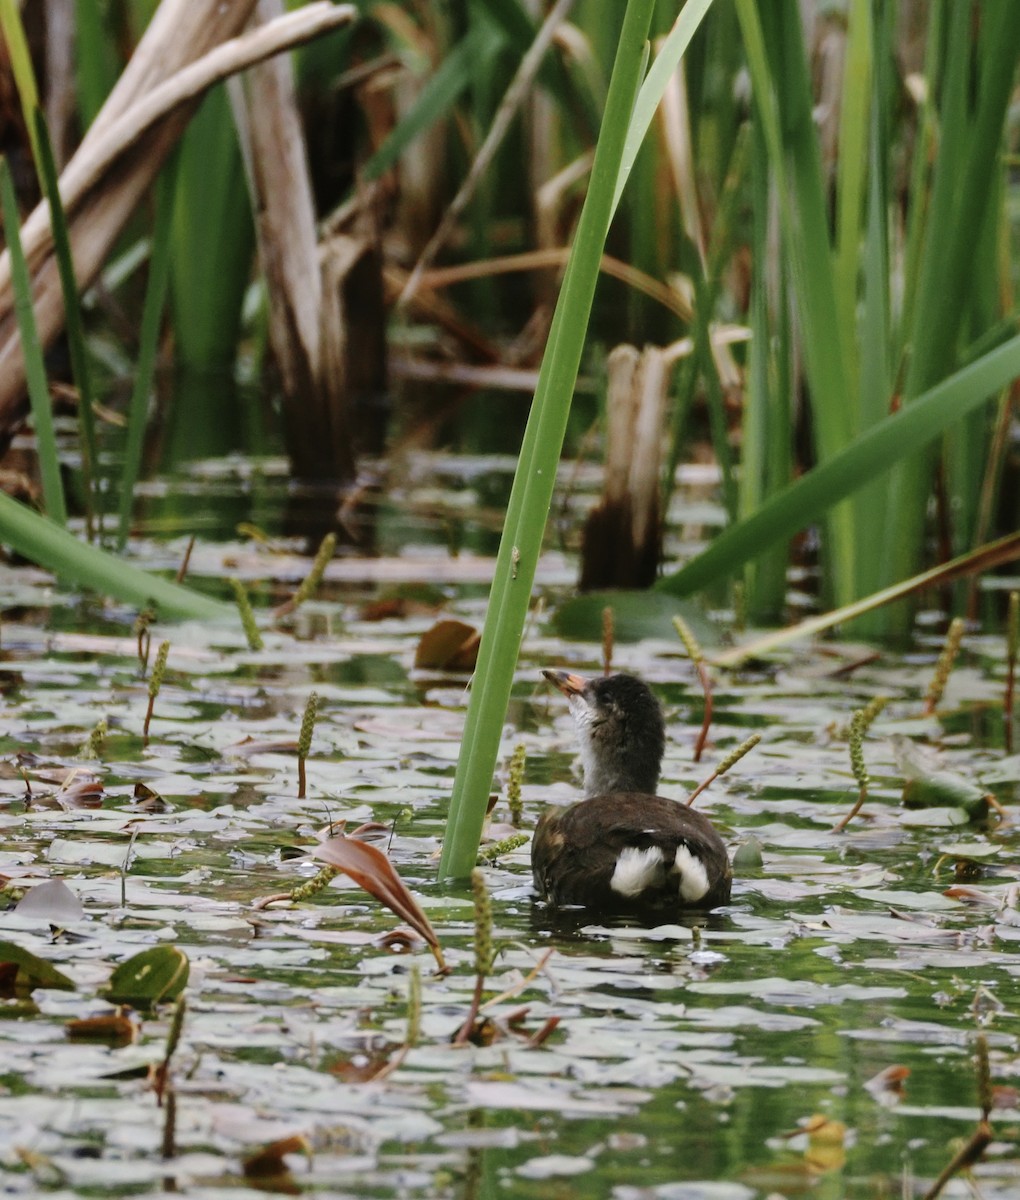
(568, 684)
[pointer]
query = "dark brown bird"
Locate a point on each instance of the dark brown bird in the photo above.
(623, 849)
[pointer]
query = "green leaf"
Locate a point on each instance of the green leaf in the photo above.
(437, 98)
(72, 316)
(21, 971)
(152, 977)
(535, 477)
(40, 540)
(35, 370)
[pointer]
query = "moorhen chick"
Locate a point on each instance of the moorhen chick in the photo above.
(623, 849)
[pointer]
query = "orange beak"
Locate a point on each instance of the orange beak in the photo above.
(569, 685)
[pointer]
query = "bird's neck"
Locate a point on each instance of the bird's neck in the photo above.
(602, 776)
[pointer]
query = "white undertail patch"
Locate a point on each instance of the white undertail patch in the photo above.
(637, 870)
(693, 876)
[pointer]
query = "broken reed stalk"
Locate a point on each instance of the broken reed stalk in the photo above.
(698, 658)
(305, 740)
(733, 757)
(169, 1145)
(155, 683)
(984, 1075)
(515, 778)
(163, 1087)
(608, 639)
(860, 722)
(182, 570)
(1012, 640)
(311, 581)
(251, 629)
(972, 1150)
(483, 952)
(141, 629)
(954, 635)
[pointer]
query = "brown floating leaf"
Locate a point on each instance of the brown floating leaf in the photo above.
(148, 800)
(887, 1086)
(448, 646)
(114, 1030)
(81, 789)
(400, 941)
(268, 1165)
(372, 870)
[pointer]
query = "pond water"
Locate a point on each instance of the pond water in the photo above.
(815, 1037)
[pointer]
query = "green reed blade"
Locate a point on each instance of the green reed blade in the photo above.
(35, 369)
(43, 542)
(21, 67)
(875, 451)
(148, 344)
(437, 97)
(536, 470)
(74, 326)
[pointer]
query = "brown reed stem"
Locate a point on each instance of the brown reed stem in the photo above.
(182, 570)
(608, 639)
(698, 658)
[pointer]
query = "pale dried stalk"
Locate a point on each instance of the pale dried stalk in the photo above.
(140, 122)
(271, 134)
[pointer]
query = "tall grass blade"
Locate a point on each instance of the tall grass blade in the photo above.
(447, 82)
(875, 451)
(766, 442)
(214, 238)
(663, 66)
(533, 484)
(74, 326)
(148, 344)
(973, 111)
(35, 369)
(43, 542)
(97, 63)
(776, 60)
(21, 67)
